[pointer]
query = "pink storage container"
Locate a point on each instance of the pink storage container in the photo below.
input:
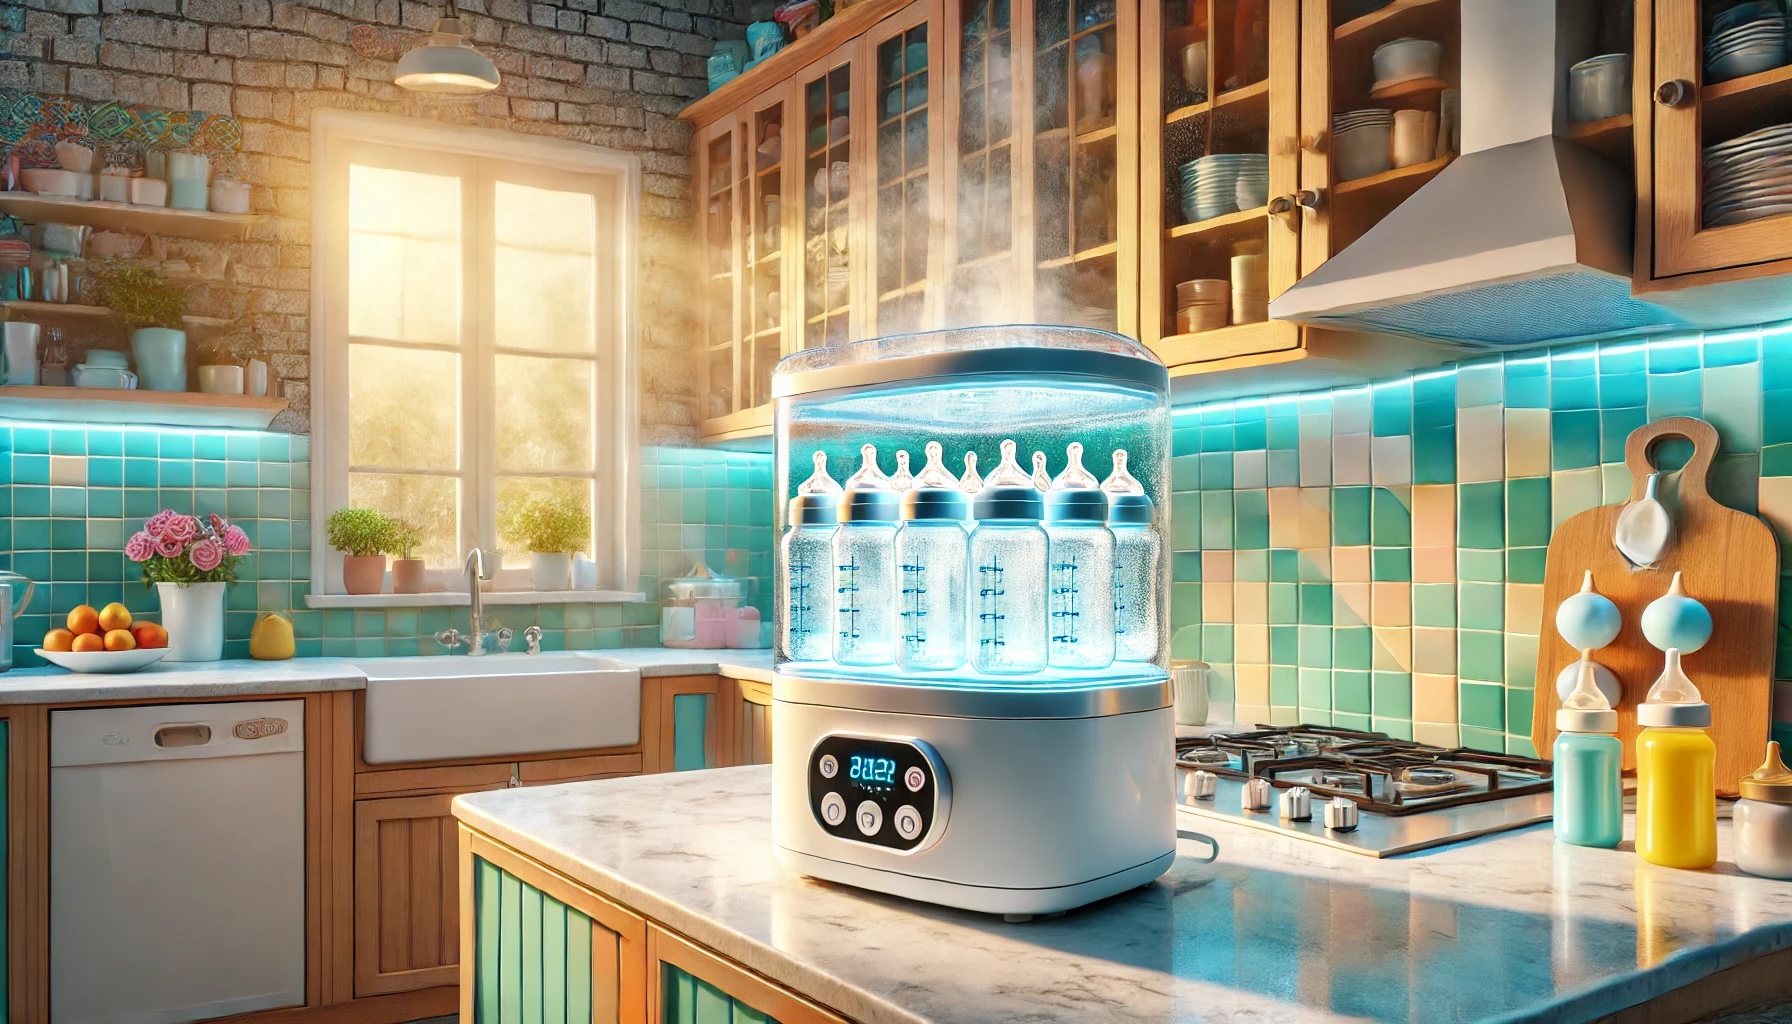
(701, 610)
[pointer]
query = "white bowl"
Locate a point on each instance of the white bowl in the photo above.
(1364, 151)
(1404, 60)
(105, 662)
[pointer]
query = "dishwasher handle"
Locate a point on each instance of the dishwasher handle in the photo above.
(189, 734)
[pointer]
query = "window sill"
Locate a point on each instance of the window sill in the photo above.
(458, 599)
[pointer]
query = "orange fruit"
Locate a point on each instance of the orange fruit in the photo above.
(83, 620)
(59, 640)
(120, 640)
(149, 635)
(115, 616)
(88, 642)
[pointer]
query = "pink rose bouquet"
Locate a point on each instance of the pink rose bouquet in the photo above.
(176, 548)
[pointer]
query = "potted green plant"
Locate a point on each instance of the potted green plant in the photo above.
(407, 572)
(150, 308)
(363, 536)
(552, 527)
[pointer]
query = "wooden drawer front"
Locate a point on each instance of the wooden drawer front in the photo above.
(407, 914)
(569, 769)
(452, 779)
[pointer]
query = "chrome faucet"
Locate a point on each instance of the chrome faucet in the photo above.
(475, 640)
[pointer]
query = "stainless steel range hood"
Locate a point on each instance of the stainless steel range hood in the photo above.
(1524, 238)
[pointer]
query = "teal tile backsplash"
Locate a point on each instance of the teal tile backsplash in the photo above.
(1373, 556)
(70, 539)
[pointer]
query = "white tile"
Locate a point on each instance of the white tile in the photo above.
(1250, 469)
(1391, 458)
(1527, 442)
(1350, 459)
(68, 470)
(1615, 481)
(1353, 410)
(1315, 460)
(1731, 396)
(1315, 425)
(1480, 445)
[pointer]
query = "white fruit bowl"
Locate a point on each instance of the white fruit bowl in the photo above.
(105, 661)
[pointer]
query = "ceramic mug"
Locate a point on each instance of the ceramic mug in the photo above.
(1415, 137)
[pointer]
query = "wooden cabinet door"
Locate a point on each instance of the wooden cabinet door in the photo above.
(407, 916)
(687, 984)
(679, 723)
(719, 253)
(901, 54)
(745, 707)
(821, 151)
(1704, 115)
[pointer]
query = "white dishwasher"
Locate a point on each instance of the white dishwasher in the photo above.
(177, 861)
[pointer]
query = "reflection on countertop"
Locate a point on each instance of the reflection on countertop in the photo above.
(245, 678)
(1509, 927)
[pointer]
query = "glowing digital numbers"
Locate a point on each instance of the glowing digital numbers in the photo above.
(870, 770)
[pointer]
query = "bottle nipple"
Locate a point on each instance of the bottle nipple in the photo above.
(1673, 701)
(1009, 473)
(1773, 770)
(1120, 481)
(1075, 477)
(970, 482)
(1586, 696)
(1673, 686)
(1041, 479)
(934, 496)
(819, 482)
(868, 477)
(935, 473)
(903, 479)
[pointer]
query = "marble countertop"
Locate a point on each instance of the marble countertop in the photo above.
(1506, 928)
(246, 678)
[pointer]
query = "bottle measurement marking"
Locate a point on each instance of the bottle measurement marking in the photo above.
(1119, 601)
(799, 608)
(1065, 611)
(988, 593)
(849, 575)
(914, 606)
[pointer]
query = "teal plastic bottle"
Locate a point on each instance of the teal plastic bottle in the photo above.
(1589, 766)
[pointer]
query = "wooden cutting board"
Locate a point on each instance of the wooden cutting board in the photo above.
(1729, 561)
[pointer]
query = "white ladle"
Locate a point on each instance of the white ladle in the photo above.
(1644, 528)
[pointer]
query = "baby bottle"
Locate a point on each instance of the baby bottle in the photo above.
(805, 592)
(865, 567)
(1676, 762)
(1007, 572)
(1589, 772)
(1081, 581)
(932, 555)
(1764, 819)
(1138, 551)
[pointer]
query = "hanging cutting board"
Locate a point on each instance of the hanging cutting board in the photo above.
(1729, 561)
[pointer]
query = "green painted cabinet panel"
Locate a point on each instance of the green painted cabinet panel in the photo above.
(532, 953)
(689, 1000)
(690, 723)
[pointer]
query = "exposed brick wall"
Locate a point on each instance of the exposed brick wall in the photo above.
(611, 73)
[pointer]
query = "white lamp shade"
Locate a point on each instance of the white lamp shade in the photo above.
(447, 64)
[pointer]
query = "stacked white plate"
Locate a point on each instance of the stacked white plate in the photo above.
(1744, 40)
(1363, 142)
(1749, 177)
(1212, 185)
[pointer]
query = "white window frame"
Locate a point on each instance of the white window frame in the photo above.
(616, 510)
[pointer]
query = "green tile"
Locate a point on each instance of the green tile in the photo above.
(1521, 661)
(1284, 468)
(1185, 604)
(1480, 515)
(1392, 695)
(1776, 460)
(1618, 390)
(1216, 642)
(1434, 604)
(1352, 647)
(1216, 470)
(1284, 686)
(1284, 565)
(1351, 692)
(1481, 707)
(1284, 645)
(1527, 511)
(1250, 522)
(1483, 739)
(1315, 604)
(1391, 520)
(1525, 565)
(1776, 418)
(1391, 564)
(1315, 647)
(1315, 687)
(1574, 439)
(1186, 522)
(1284, 603)
(1185, 644)
(1434, 455)
(1216, 521)
(1479, 656)
(1485, 566)
(1483, 605)
(1342, 613)
(1520, 746)
(1185, 567)
(1344, 721)
(1350, 516)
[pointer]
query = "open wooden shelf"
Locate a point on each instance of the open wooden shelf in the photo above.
(1094, 253)
(150, 220)
(1425, 19)
(1255, 94)
(1244, 222)
(51, 310)
(1610, 137)
(1741, 105)
(161, 408)
(1404, 90)
(1389, 183)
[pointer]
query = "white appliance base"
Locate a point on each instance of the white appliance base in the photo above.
(980, 898)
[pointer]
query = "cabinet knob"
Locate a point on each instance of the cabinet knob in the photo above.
(1294, 202)
(1316, 143)
(1674, 92)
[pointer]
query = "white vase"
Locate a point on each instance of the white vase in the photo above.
(255, 382)
(193, 615)
(550, 570)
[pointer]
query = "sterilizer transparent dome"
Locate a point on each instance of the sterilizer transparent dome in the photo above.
(1043, 388)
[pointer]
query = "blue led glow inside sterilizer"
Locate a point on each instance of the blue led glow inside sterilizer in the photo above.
(985, 579)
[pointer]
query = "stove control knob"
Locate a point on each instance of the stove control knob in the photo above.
(1256, 794)
(1199, 785)
(1297, 804)
(833, 809)
(1341, 815)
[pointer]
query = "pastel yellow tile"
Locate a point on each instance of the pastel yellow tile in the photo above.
(1252, 714)
(1527, 442)
(1393, 648)
(1434, 698)
(1315, 459)
(1524, 608)
(1480, 444)
(1434, 515)
(1351, 565)
(1573, 491)
(1250, 647)
(1390, 604)
(1284, 716)
(1216, 602)
(1284, 518)
(1434, 565)
(1250, 603)
(1776, 506)
(1350, 459)
(1354, 596)
(1216, 567)
(1614, 481)
(1438, 734)
(1253, 684)
(1315, 517)
(1434, 650)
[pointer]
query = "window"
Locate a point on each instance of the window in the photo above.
(472, 348)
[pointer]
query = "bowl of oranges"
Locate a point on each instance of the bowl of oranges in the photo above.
(104, 640)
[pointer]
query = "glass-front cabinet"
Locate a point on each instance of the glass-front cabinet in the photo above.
(828, 225)
(715, 188)
(980, 283)
(902, 164)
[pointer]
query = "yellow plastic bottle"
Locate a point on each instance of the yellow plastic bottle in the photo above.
(1676, 762)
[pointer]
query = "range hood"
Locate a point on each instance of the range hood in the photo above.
(1524, 238)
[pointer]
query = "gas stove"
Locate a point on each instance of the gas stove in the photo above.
(1408, 796)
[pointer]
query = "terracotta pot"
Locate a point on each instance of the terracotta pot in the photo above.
(407, 575)
(363, 574)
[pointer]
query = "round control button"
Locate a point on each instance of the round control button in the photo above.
(907, 821)
(914, 779)
(869, 818)
(833, 809)
(830, 766)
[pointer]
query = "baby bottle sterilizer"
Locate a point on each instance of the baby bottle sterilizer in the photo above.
(970, 700)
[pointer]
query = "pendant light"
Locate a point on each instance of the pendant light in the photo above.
(447, 64)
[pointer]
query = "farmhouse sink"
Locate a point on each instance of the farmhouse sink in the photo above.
(499, 705)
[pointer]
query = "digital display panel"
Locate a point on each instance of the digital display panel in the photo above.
(871, 770)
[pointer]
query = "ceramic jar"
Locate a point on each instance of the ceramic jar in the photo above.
(1763, 819)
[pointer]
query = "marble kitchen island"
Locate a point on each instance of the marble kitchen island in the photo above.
(691, 918)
